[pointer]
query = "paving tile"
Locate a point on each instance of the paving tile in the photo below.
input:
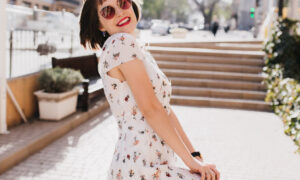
(244, 145)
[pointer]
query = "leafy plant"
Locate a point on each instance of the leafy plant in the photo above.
(282, 75)
(283, 47)
(57, 80)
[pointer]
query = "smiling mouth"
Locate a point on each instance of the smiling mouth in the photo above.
(124, 22)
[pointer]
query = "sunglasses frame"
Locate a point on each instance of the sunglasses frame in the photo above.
(112, 13)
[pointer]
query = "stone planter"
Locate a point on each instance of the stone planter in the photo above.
(56, 106)
(178, 33)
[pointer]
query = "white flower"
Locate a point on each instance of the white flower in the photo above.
(279, 34)
(298, 28)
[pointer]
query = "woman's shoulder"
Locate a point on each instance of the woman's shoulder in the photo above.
(120, 48)
(121, 44)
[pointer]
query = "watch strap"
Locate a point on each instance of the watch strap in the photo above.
(196, 153)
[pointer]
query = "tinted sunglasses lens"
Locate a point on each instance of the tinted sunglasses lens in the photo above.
(124, 4)
(108, 12)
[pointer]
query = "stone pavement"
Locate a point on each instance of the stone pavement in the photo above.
(244, 145)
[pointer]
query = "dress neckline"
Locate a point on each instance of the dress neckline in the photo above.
(141, 44)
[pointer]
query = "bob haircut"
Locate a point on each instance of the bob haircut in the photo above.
(90, 35)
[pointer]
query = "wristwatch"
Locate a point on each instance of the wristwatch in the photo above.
(196, 153)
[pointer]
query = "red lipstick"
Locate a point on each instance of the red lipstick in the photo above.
(124, 23)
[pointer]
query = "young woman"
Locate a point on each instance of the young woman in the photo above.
(139, 94)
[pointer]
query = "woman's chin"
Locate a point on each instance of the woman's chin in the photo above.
(127, 30)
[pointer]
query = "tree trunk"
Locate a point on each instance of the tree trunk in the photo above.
(206, 14)
(207, 22)
(211, 11)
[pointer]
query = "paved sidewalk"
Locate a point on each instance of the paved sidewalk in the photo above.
(198, 36)
(244, 145)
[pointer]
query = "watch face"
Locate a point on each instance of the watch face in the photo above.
(195, 154)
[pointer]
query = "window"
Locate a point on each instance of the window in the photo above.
(12, 2)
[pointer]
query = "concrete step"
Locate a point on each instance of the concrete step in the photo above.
(215, 83)
(213, 75)
(209, 67)
(218, 93)
(259, 42)
(209, 59)
(218, 45)
(221, 102)
(212, 41)
(206, 52)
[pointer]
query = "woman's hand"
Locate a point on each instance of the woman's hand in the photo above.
(206, 170)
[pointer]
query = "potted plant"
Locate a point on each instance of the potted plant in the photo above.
(58, 95)
(178, 32)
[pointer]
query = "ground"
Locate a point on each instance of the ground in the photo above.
(244, 145)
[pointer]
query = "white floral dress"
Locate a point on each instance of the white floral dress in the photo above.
(140, 154)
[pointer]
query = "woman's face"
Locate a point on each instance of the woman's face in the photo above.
(124, 20)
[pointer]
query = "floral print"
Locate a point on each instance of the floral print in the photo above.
(139, 154)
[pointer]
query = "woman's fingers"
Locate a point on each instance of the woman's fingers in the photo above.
(217, 173)
(213, 167)
(203, 175)
(208, 174)
(213, 175)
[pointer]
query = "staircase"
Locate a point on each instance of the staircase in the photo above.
(228, 77)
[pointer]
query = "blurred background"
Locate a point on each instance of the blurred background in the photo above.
(36, 26)
(233, 63)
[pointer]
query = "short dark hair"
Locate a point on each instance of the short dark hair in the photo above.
(90, 35)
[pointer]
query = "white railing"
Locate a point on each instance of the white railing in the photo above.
(266, 27)
(3, 125)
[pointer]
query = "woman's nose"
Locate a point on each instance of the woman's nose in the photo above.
(119, 12)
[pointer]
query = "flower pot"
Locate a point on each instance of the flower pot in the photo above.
(178, 33)
(55, 106)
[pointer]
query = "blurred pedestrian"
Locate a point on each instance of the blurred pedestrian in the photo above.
(227, 27)
(215, 25)
(233, 22)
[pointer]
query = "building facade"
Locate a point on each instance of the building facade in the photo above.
(242, 8)
(51, 5)
(245, 22)
(294, 9)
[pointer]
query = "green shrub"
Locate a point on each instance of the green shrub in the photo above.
(57, 80)
(282, 75)
(283, 47)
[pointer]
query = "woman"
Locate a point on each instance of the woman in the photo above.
(139, 94)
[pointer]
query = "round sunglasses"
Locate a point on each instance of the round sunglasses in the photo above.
(109, 12)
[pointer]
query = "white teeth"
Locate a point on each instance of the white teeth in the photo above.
(124, 21)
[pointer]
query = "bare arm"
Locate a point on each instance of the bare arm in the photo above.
(153, 111)
(177, 126)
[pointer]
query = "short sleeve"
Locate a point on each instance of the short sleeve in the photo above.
(122, 48)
